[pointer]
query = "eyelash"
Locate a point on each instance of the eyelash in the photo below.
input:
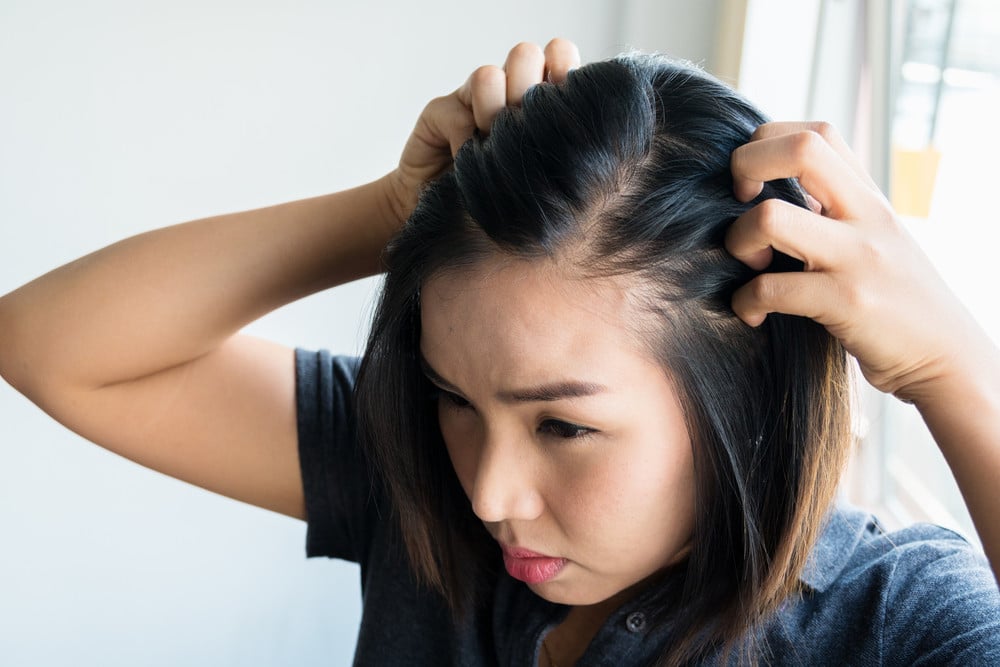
(556, 428)
(565, 430)
(454, 400)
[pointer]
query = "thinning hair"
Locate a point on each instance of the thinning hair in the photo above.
(627, 162)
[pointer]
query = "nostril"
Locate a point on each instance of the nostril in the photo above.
(503, 482)
(506, 499)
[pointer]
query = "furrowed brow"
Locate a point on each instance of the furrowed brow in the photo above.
(555, 391)
(546, 393)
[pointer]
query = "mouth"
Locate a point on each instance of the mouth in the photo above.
(529, 566)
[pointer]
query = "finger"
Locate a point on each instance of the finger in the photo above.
(823, 129)
(813, 203)
(779, 225)
(525, 67)
(485, 93)
(812, 295)
(561, 56)
(806, 156)
(446, 123)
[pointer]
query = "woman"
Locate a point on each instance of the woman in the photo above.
(555, 383)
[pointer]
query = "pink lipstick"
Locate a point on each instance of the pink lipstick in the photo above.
(529, 566)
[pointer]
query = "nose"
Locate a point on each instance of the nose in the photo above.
(505, 487)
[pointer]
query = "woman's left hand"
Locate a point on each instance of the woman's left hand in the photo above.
(865, 278)
(869, 283)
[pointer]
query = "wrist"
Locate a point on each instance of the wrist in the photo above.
(969, 377)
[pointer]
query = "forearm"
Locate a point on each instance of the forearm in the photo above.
(963, 414)
(159, 299)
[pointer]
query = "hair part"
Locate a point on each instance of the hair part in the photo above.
(623, 169)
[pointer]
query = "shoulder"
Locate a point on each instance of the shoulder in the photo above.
(854, 545)
(338, 484)
(321, 372)
(922, 563)
(324, 397)
(941, 602)
(922, 594)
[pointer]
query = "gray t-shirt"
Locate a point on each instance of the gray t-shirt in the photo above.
(919, 596)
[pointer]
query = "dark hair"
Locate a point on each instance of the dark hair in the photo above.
(636, 151)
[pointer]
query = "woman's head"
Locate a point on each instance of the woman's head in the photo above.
(580, 248)
(565, 434)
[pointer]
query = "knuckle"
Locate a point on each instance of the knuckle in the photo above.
(860, 288)
(525, 50)
(559, 44)
(436, 103)
(737, 159)
(873, 254)
(439, 107)
(760, 131)
(762, 289)
(805, 145)
(487, 75)
(857, 297)
(826, 130)
(770, 216)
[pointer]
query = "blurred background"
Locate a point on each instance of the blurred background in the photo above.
(119, 116)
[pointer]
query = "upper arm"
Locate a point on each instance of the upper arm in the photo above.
(225, 421)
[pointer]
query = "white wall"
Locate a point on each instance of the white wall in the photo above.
(777, 55)
(121, 116)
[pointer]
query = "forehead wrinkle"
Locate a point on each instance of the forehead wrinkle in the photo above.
(615, 300)
(549, 392)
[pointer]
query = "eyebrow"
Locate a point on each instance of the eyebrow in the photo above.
(549, 392)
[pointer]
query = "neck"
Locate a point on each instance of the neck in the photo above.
(568, 641)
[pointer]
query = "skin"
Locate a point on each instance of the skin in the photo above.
(868, 282)
(137, 348)
(605, 480)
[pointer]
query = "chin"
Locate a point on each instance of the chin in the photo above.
(559, 592)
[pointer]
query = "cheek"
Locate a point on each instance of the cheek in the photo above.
(666, 476)
(671, 493)
(646, 488)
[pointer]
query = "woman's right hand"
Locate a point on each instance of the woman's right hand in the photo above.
(136, 347)
(448, 122)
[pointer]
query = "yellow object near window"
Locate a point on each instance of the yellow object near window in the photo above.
(912, 181)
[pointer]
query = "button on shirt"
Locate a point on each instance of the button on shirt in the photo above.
(635, 622)
(922, 595)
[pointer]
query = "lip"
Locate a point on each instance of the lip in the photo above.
(530, 566)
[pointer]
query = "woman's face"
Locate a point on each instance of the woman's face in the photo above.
(567, 438)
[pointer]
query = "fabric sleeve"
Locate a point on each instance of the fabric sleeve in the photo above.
(943, 605)
(336, 479)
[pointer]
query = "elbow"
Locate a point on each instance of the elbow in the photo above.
(13, 363)
(32, 349)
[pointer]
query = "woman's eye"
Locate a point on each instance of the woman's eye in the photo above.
(454, 400)
(565, 430)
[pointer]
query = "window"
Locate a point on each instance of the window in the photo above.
(943, 139)
(914, 86)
